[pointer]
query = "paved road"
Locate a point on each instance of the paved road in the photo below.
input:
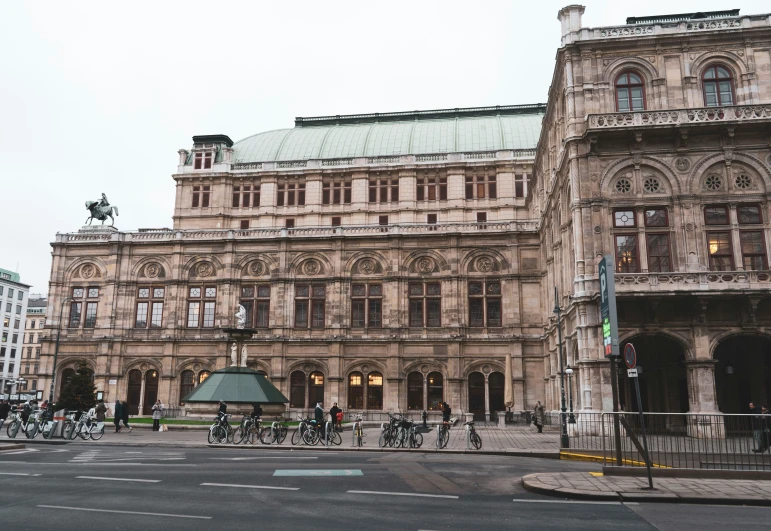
(72, 486)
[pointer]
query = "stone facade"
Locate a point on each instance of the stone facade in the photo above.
(372, 242)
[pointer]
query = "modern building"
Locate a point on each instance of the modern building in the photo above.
(13, 308)
(391, 261)
(31, 349)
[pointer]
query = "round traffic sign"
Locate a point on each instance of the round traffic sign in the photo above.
(630, 356)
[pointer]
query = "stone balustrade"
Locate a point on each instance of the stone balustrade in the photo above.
(693, 282)
(525, 226)
(696, 116)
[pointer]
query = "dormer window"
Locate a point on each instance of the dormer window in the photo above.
(203, 160)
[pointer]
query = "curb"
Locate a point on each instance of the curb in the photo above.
(531, 484)
(4, 447)
(512, 453)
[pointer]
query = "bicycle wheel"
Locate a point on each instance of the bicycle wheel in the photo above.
(446, 438)
(382, 440)
(267, 435)
(311, 437)
(65, 429)
(282, 431)
(220, 435)
(96, 435)
(296, 437)
(239, 434)
(476, 440)
(83, 432)
(335, 438)
(10, 429)
(417, 440)
(212, 431)
(401, 438)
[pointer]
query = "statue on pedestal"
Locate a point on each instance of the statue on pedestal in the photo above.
(243, 355)
(101, 210)
(233, 354)
(241, 317)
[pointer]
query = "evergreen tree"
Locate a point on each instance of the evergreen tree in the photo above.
(80, 392)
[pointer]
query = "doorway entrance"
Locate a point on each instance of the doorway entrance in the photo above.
(151, 391)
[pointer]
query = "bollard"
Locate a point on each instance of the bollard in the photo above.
(274, 429)
(326, 435)
(425, 418)
(438, 444)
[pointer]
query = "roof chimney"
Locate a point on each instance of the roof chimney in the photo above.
(570, 17)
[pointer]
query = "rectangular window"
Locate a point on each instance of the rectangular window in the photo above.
(281, 191)
(310, 301)
(201, 306)
(431, 219)
(484, 304)
(431, 188)
(336, 192)
(382, 220)
(90, 321)
(289, 223)
(236, 196)
(383, 190)
(720, 253)
(656, 217)
(716, 215)
(520, 185)
(753, 250)
(142, 308)
(246, 197)
(366, 305)
(32, 324)
(205, 196)
(196, 196)
(203, 161)
(481, 186)
(626, 254)
(290, 194)
(749, 214)
(20, 296)
(75, 313)
(658, 253)
(425, 304)
(336, 221)
(256, 300)
(150, 305)
(244, 224)
(157, 315)
(481, 217)
(624, 219)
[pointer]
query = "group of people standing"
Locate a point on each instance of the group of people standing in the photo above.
(335, 415)
(121, 414)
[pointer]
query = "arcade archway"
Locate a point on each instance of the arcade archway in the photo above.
(743, 372)
(663, 377)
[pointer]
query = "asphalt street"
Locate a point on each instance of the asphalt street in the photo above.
(81, 486)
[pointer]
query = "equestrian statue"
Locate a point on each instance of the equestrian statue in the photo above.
(101, 210)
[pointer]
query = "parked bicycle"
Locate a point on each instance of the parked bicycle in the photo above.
(358, 432)
(388, 432)
(317, 433)
(68, 423)
(275, 433)
(444, 434)
(476, 440)
(246, 426)
(219, 431)
(298, 435)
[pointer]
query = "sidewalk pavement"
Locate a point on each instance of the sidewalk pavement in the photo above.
(595, 486)
(509, 441)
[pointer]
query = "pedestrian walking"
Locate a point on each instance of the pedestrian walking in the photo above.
(5, 408)
(765, 428)
(100, 411)
(757, 430)
(157, 413)
(538, 416)
(117, 415)
(333, 411)
(446, 412)
(124, 415)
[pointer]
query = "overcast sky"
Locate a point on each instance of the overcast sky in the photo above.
(98, 97)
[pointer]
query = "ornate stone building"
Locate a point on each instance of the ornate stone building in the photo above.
(392, 261)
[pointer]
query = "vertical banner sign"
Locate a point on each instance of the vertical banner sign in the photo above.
(608, 307)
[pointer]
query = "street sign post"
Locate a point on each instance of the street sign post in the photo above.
(609, 320)
(630, 357)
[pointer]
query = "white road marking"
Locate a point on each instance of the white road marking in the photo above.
(133, 452)
(247, 486)
(448, 496)
(519, 500)
(120, 479)
(17, 452)
(90, 463)
(16, 474)
(260, 457)
(124, 512)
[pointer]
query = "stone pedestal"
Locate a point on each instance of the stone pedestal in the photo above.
(90, 229)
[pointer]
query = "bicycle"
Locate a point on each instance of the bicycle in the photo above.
(316, 433)
(299, 433)
(415, 437)
(444, 434)
(242, 430)
(388, 431)
(219, 431)
(404, 429)
(67, 425)
(358, 432)
(476, 440)
(276, 432)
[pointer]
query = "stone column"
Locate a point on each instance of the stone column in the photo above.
(487, 398)
(142, 396)
(425, 393)
(701, 389)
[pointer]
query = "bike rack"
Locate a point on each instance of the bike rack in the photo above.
(438, 430)
(274, 428)
(326, 434)
(468, 437)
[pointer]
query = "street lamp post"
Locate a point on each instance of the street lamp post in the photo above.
(569, 372)
(56, 350)
(565, 440)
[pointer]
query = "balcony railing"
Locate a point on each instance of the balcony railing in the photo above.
(702, 280)
(526, 226)
(698, 116)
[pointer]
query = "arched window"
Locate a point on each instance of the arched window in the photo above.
(356, 390)
(476, 393)
(630, 93)
(202, 376)
(65, 379)
(185, 384)
(375, 390)
(415, 391)
(134, 390)
(718, 86)
(435, 391)
(297, 389)
(497, 383)
(316, 389)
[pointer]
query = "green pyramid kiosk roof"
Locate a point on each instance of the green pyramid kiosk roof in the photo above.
(236, 385)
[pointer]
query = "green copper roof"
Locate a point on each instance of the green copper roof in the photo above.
(236, 385)
(421, 132)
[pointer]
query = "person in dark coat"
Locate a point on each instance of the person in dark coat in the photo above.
(765, 428)
(319, 414)
(100, 411)
(539, 416)
(117, 415)
(334, 410)
(124, 411)
(755, 421)
(256, 411)
(5, 408)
